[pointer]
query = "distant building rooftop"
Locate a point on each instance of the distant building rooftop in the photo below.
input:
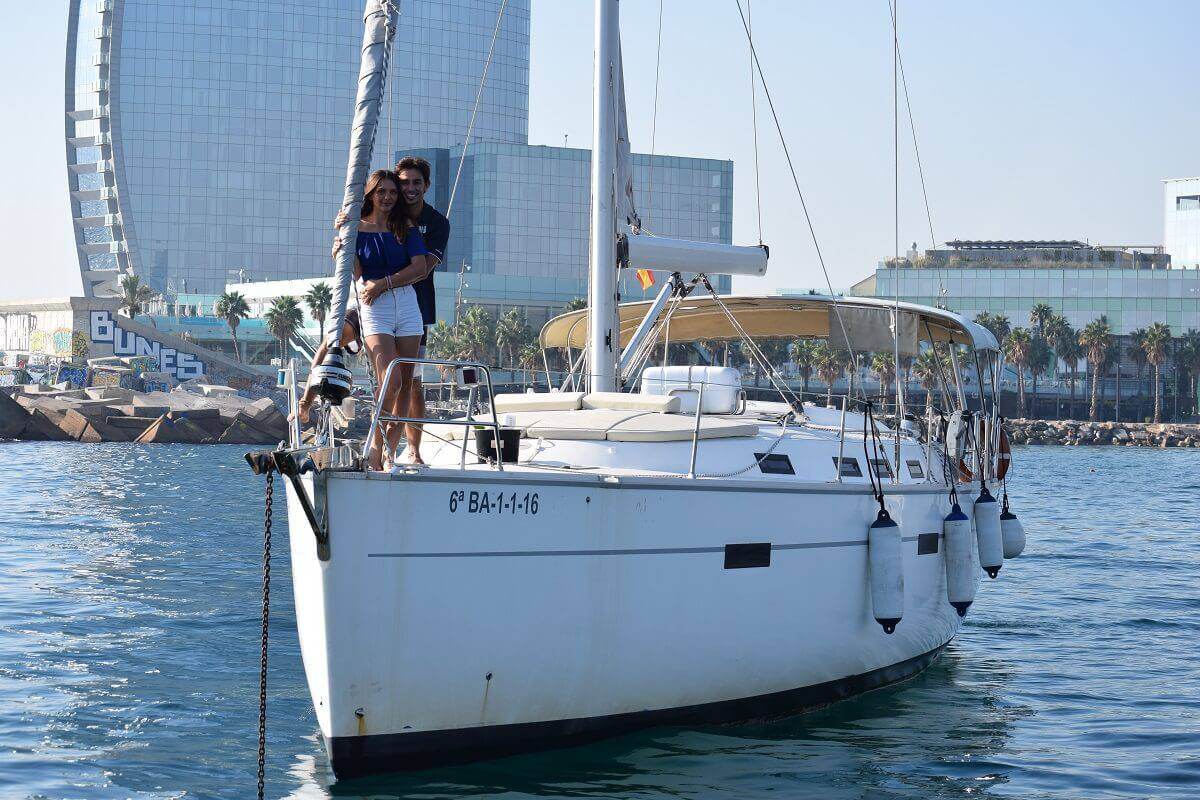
(1016, 244)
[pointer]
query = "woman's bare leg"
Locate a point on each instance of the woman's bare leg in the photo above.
(406, 347)
(382, 350)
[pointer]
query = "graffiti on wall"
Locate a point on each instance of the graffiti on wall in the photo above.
(105, 330)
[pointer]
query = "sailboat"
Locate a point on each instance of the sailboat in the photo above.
(647, 544)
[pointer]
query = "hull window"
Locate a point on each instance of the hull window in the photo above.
(741, 556)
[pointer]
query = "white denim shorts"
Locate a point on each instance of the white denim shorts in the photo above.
(394, 313)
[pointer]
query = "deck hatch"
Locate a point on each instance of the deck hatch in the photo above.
(741, 556)
(915, 470)
(774, 464)
(882, 468)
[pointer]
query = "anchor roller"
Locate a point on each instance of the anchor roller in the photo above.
(886, 561)
(1011, 531)
(987, 532)
(961, 580)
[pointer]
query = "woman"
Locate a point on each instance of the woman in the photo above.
(389, 256)
(352, 342)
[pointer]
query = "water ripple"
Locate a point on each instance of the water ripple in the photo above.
(129, 647)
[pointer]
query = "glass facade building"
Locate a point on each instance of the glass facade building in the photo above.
(206, 141)
(1132, 289)
(1181, 218)
(520, 221)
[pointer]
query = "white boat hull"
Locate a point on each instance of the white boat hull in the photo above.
(499, 612)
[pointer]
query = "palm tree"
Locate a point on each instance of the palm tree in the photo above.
(134, 295)
(803, 353)
(1094, 339)
(830, 365)
(529, 357)
(512, 331)
(283, 318)
(884, 366)
(318, 300)
(927, 367)
(1017, 348)
(443, 343)
(1065, 343)
(1041, 358)
(1187, 356)
(996, 323)
(1039, 315)
(232, 308)
(476, 330)
(1157, 343)
(1137, 352)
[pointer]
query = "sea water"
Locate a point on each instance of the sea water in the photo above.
(130, 632)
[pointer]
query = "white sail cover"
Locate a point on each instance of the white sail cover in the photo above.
(379, 30)
(626, 208)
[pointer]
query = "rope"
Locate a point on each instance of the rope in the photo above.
(912, 126)
(872, 467)
(654, 116)
(266, 622)
(475, 108)
(795, 179)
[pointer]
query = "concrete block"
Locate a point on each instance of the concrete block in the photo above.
(132, 426)
(86, 429)
(218, 391)
(109, 393)
(41, 428)
(194, 414)
(167, 431)
(13, 417)
(242, 433)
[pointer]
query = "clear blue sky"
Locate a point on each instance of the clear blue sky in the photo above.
(1036, 120)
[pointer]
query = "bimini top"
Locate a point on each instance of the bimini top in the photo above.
(850, 323)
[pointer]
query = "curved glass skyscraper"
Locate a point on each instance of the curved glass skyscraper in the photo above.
(206, 140)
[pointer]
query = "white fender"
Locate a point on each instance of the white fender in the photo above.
(1013, 534)
(886, 558)
(961, 578)
(987, 532)
(956, 437)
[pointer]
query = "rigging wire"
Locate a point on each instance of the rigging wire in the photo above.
(654, 115)
(795, 179)
(912, 126)
(754, 126)
(475, 108)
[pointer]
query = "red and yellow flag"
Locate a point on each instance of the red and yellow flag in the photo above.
(645, 278)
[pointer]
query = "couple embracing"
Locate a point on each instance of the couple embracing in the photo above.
(401, 241)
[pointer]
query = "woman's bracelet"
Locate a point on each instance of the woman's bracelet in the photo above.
(389, 282)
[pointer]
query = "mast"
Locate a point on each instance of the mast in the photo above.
(379, 30)
(602, 279)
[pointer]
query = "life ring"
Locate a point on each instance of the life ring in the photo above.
(1003, 456)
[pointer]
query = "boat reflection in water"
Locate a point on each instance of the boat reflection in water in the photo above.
(941, 734)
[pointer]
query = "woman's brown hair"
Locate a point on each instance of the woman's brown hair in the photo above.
(397, 222)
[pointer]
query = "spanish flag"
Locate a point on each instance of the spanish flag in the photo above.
(645, 278)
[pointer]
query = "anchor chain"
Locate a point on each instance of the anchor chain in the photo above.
(266, 621)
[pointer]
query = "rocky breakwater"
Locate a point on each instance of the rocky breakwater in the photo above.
(1124, 434)
(192, 413)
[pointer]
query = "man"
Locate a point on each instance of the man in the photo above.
(414, 175)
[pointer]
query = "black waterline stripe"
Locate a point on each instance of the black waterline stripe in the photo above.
(648, 551)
